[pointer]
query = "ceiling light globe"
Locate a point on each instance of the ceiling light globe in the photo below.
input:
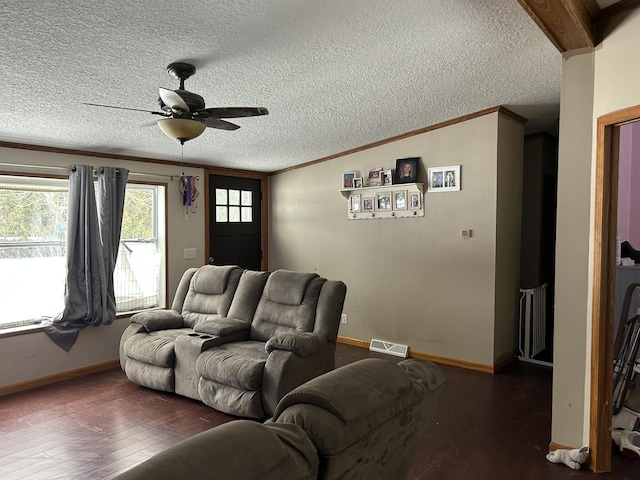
(181, 129)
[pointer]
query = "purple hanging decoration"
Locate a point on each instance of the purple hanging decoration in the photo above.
(189, 193)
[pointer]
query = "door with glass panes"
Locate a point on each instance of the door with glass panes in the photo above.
(235, 221)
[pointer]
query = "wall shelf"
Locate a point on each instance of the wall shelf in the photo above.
(402, 200)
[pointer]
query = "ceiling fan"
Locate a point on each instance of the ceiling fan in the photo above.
(185, 114)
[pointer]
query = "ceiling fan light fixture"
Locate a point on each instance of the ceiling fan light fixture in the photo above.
(181, 129)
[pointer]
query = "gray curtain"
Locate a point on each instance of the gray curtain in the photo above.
(93, 236)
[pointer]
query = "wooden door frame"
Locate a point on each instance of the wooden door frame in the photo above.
(604, 276)
(264, 208)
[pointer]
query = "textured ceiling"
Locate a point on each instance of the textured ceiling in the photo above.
(334, 74)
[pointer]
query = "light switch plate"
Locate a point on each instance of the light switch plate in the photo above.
(189, 253)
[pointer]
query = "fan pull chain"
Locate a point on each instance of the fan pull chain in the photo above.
(183, 186)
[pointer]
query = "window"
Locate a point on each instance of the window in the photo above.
(33, 218)
(233, 205)
(139, 273)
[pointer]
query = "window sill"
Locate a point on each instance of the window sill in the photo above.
(37, 328)
(22, 330)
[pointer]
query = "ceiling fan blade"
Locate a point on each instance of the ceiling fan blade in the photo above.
(221, 124)
(233, 112)
(125, 108)
(172, 100)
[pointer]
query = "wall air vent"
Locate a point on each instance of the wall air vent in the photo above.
(389, 347)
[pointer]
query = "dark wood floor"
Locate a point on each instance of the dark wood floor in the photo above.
(488, 427)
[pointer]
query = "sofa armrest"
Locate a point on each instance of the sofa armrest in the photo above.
(302, 344)
(155, 320)
(222, 326)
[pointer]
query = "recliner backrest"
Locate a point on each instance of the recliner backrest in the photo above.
(248, 294)
(288, 304)
(210, 293)
(329, 309)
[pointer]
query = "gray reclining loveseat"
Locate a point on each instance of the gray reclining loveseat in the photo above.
(363, 421)
(237, 340)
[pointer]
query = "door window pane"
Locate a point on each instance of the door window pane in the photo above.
(221, 214)
(234, 214)
(246, 198)
(221, 196)
(246, 214)
(234, 197)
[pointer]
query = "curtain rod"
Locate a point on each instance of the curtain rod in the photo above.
(178, 175)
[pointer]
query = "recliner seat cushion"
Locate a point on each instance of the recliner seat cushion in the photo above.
(229, 364)
(231, 378)
(154, 348)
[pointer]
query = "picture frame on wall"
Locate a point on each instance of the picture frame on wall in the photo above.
(387, 177)
(407, 170)
(354, 203)
(383, 201)
(415, 201)
(444, 179)
(347, 179)
(400, 200)
(368, 204)
(357, 182)
(375, 177)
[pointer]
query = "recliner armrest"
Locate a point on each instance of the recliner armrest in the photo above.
(302, 344)
(222, 326)
(155, 320)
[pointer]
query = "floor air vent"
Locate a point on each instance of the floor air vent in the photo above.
(389, 347)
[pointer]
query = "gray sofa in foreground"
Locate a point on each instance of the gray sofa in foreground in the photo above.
(363, 421)
(237, 340)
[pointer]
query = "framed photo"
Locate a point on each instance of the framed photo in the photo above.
(354, 203)
(357, 182)
(387, 177)
(407, 170)
(347, 179)
(367, 204)
(383, 201)
(400, 200)
(375, 177)
(444, 179)
(415, 201)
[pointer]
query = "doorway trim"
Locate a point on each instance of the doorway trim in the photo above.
(604, 275)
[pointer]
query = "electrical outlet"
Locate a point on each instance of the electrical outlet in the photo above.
(343, 318)
(189, 253)
(466, 233)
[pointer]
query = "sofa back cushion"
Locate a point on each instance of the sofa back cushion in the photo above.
(288, 304)
(210, 293)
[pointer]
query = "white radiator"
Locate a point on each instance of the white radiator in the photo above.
(533, 319)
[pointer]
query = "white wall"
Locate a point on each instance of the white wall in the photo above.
(593, 84)
(573, 258)
(414, 280)
(32, 356)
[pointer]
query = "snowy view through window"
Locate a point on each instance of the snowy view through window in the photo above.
(33, 242)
